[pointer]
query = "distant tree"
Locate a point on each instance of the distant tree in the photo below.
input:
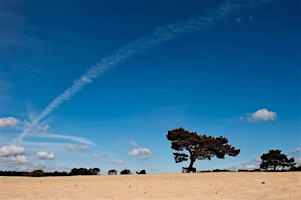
(94, 171)
(112, 172)
(199, 147)
(37, 173)
(125, 172)
(274, 160)
(141, 172)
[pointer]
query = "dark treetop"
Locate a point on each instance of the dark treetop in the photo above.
(199, 147)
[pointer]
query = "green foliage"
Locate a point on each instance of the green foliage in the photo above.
(274, 160)
(199, 147)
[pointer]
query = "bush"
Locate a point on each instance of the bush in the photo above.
(125, 172)
(141, 172)
(112, 172)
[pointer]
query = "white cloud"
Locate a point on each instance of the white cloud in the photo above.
(250, 165)
(7, 122)
(77, 147)
(118, 162)
(262, 115)
(45, 155)
(134, 152)
(144, 153)
(97, 155)
(11, 150)
(19, 159)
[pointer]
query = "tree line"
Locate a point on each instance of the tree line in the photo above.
(73, 172)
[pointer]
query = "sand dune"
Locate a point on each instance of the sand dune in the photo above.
(207, 186)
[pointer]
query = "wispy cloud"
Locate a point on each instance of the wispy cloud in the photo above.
(43, 128)
(295, 151)
(41, 144)
(118, 162)
(159, 36)
(97, 155)
(133, 143)
(8, 122)
(64, 137)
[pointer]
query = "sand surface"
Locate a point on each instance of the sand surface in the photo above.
(207, 186)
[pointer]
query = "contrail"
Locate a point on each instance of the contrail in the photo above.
(159, 36)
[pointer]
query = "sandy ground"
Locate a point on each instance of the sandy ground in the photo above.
(207, 186)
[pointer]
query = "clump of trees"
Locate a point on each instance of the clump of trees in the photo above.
(275, 160)
(198, 147)
(37, 173)
(73, 172)
(84, 171)
(40, 172)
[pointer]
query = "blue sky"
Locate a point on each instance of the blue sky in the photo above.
(99, 83)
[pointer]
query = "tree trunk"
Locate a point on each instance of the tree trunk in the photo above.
(190, 167)
(192, 160)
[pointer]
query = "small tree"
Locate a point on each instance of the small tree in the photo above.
(141, 172)
(199, 147)
(112, 172)
(125, 172)
(275, 160)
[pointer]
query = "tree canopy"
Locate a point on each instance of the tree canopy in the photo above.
(199, 147)
(274, 160)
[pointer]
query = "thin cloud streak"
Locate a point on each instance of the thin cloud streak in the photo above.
(67, 137)
(159, 36)
(29, 143)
